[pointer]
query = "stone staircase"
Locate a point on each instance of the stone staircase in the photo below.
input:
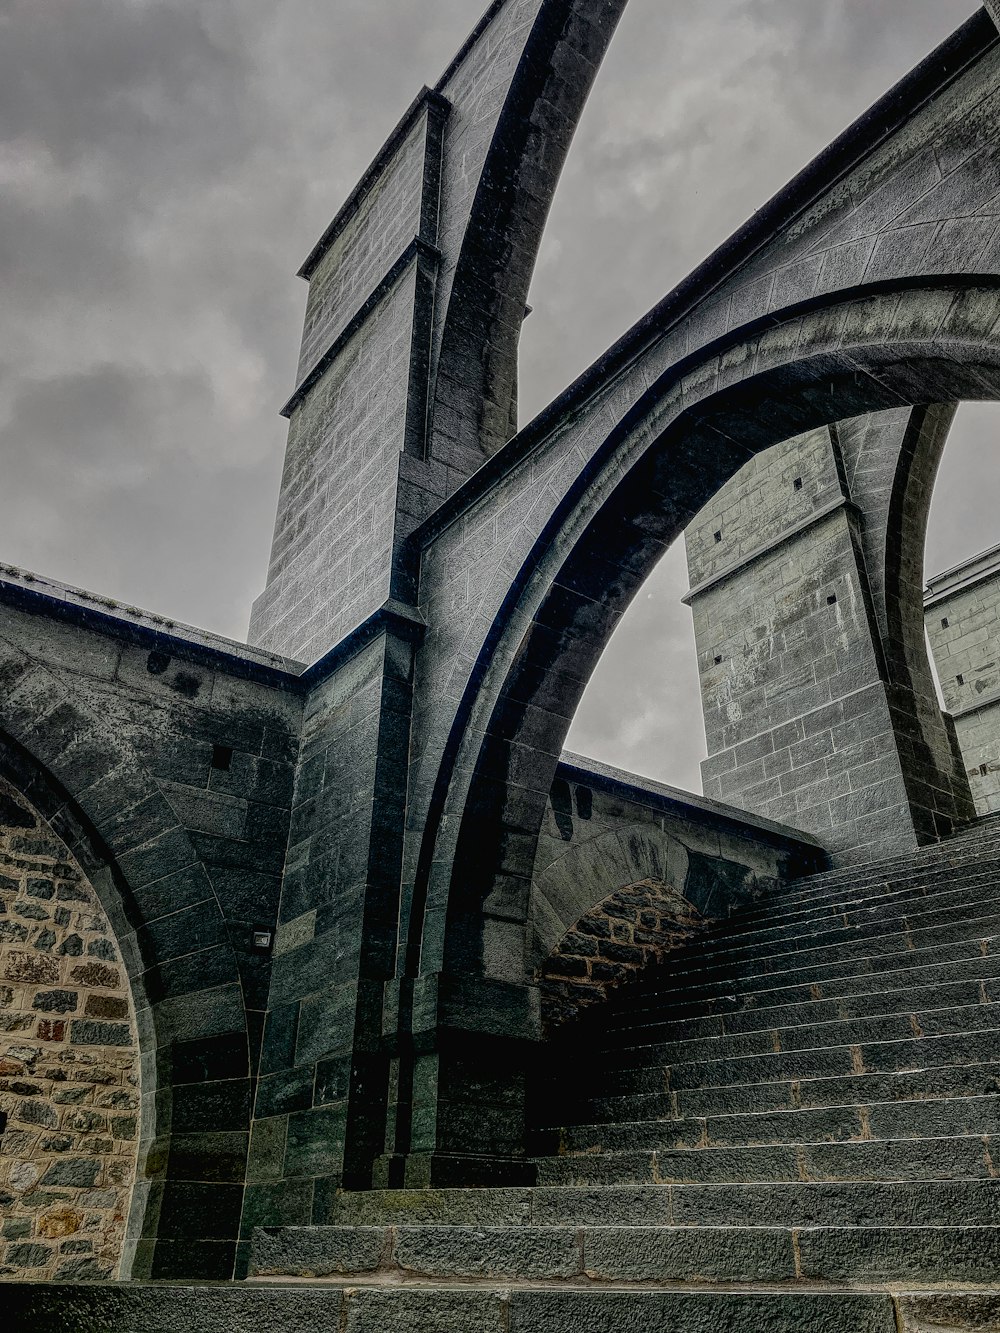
(793, 1123)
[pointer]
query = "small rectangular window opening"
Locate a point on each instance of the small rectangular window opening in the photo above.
(797, 483)
(717, 536)
(960, 678)
(718, 658)
(222, 757)
(944, 622)
(831, 599)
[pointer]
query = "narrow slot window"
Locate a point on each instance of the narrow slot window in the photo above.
(222, 757)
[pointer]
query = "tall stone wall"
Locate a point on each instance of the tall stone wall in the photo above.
(818, 700)
(69, 1062)
(407, 377)
(166, 765)
(962, 615)
(796, 716)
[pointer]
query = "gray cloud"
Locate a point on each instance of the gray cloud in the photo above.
(164, 167)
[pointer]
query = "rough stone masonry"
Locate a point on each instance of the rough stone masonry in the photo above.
(69, 1062)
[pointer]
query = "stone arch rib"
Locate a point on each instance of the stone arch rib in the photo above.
(864, 350)
(475, 377)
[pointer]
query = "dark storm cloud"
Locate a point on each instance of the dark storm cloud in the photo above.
(165, 166)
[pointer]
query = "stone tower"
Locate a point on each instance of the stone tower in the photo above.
(407, 375)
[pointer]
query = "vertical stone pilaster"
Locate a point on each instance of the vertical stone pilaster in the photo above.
(319, 1118)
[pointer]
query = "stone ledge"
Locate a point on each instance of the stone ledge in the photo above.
(766, 548)
(416, 249)
(35, 592)
(577, 768)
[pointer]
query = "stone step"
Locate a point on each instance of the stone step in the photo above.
(895, 953)
(969, 1157)
(931, 968)
(821, 889)
(867, 1057)
(259, 1307)
(631, 1048)
(695, 964)
(484, 1308)
(170, 1307)
(979, 840)
(651, 1026)
(704, 960)
(792, 1094)
(936, 1118)
(852, 1203)
(775, 911)
(783, 911)
(952, 1253)
(914, 904)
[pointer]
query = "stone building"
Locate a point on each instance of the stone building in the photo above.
(962, 611)
(430, 1025)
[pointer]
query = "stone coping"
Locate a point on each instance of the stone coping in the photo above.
(44, 596)
(577, 768)
(984, 565)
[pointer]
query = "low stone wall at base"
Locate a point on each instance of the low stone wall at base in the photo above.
(628, 870)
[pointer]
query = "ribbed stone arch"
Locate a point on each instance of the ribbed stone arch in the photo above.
(868, 351)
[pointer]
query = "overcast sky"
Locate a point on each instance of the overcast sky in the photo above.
(165, 165)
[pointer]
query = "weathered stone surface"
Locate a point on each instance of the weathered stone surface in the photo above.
(60, 1222)
(23, 1175)
(699, 1312)
(319, 1251)
(961, 616)
(52, 1176)
(106, 1006)
(80, 1172)
(96, 974)
(173, 1308)
(56, 1001)
(21, 966)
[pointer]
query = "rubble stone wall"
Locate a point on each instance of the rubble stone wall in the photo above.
(69, 1062)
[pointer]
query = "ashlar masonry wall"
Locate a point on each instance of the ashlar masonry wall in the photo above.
(796, 718)
(69, 1063)
(819, 709)
(962, 616)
